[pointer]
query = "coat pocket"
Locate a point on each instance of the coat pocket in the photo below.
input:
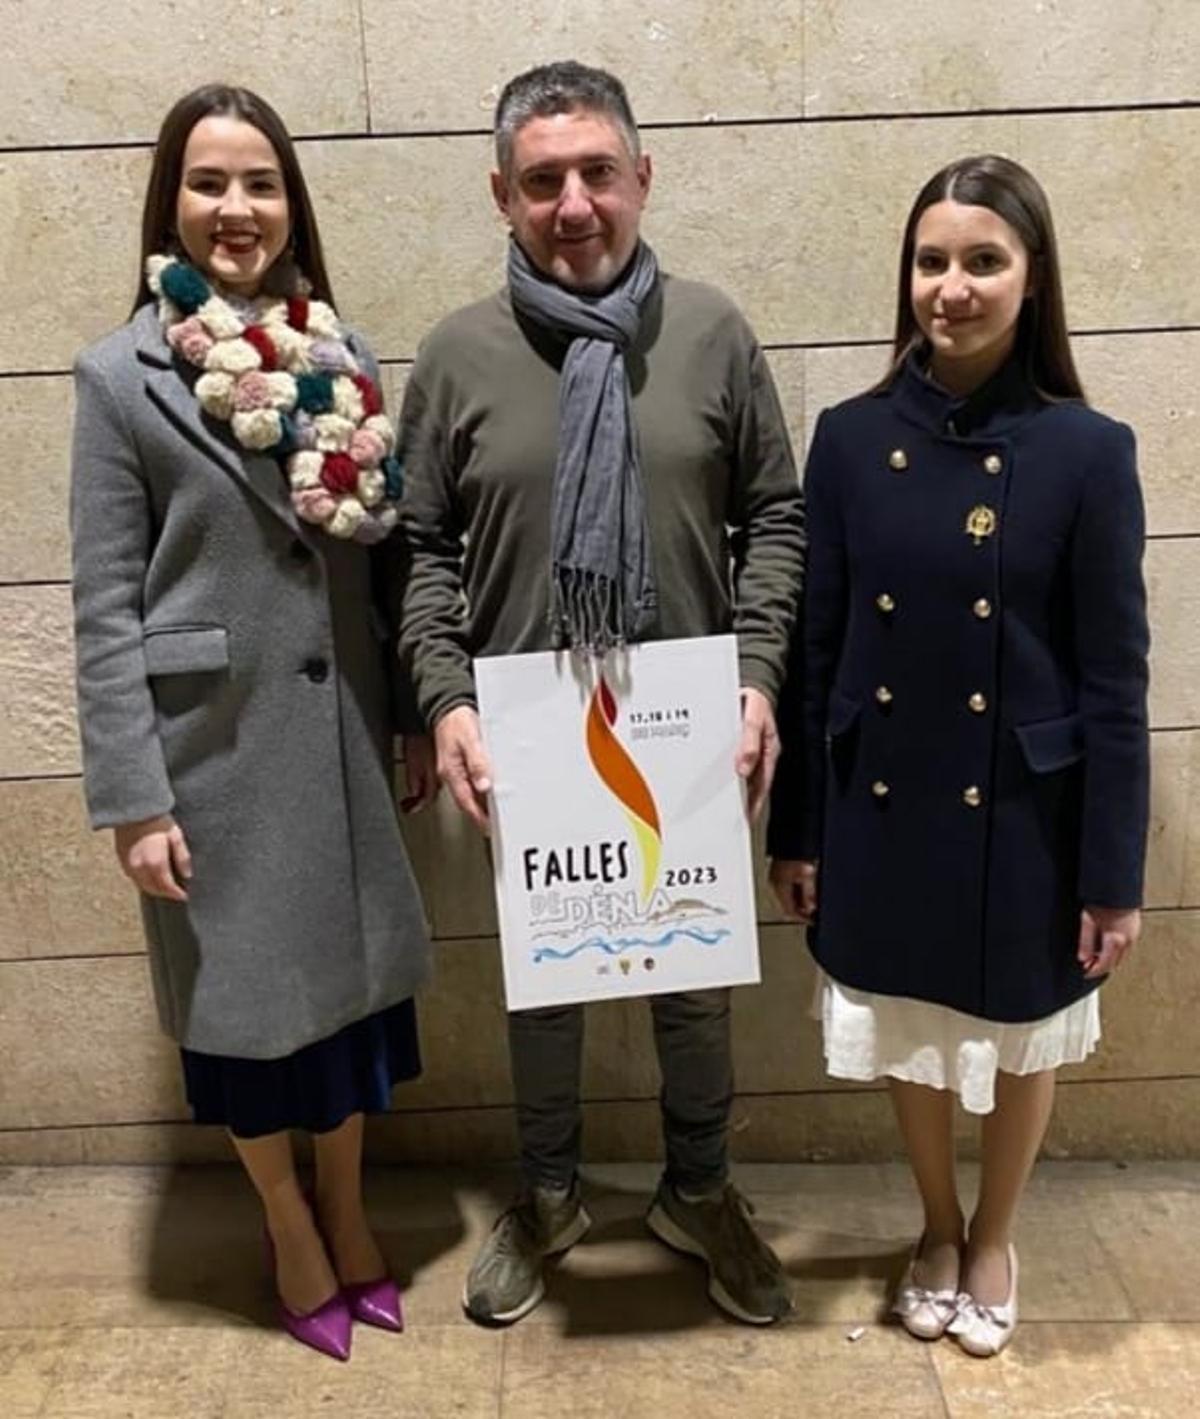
(378, 622)
(842, 714)
(842, 719)
(1051, 744)
(185, 650)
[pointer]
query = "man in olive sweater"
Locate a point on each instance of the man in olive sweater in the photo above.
(594, 454)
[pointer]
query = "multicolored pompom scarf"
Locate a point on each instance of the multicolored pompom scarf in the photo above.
(281, 374)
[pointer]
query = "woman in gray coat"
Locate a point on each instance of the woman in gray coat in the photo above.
(233, 495)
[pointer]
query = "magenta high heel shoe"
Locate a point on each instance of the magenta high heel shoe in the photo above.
(326, 1329)
(376, 1303)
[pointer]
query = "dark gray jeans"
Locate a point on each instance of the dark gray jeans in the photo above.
(691, 1034)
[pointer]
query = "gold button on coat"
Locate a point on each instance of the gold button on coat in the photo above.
(885, 602)
(978, 702)
(993, 463)
(884, 695)
(982, 608)
(880, 789)
(972, 797)
(898, 460)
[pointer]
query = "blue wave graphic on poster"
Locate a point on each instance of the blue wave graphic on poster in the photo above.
(626, 943)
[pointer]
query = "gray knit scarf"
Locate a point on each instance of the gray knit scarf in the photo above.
(602, 584)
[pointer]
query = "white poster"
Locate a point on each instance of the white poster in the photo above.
(620, 843)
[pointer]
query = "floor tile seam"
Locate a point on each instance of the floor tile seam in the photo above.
(67, 1338)
(935, 1370)
(217, 1327)
(1134, 1323)
(365, 65)
(460, 1326)
(501, 1372)
(718, 1325)
(1100, 1237)
(223, 1410)
(55, 1368)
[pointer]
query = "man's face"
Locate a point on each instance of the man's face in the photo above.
(573, 195)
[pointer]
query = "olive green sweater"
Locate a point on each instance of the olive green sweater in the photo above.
(478, 434)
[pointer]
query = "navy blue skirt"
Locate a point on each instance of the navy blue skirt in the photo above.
(317, 1088)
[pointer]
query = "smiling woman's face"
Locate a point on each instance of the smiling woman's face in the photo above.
(970, 275)
(232, 209)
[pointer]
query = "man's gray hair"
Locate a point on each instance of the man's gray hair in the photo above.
(562, 87)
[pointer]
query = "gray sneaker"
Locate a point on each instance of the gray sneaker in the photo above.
(745, 1276)
(505, 1283)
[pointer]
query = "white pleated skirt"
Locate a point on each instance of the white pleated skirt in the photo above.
(870, 1036)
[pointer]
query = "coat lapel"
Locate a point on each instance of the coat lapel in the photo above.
(171, 389)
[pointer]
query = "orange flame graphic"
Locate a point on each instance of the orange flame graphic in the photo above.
(623, 779)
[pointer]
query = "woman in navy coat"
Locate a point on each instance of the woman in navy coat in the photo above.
(965, 744)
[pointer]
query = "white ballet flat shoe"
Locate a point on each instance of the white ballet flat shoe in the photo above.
(986, 1330)
(922, 1312)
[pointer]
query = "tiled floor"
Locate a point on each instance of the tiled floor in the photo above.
(138, 1292)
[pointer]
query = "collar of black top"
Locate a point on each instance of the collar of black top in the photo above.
(999, 404)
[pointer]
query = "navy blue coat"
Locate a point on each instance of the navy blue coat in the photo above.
(964, 725)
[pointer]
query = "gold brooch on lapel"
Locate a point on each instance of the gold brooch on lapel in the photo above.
(981, 523)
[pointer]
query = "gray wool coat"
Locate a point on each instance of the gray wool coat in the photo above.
(233, 670)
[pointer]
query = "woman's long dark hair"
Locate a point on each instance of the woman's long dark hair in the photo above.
(162, 194)
(1007, 189)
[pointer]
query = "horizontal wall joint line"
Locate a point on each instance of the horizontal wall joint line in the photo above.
(134, 955)
(683, 125)
(872, 342)
(826, 120)
(49, 777)
(614, 1101)
(486, 940)
(883, 343)
(60, 776)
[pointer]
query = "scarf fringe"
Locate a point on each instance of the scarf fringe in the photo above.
(587, 610)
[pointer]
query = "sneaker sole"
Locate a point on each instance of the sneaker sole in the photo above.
(565, 1240)
(671, 1234)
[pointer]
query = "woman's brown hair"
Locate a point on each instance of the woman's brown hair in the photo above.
(1007, 189)
(166, 173)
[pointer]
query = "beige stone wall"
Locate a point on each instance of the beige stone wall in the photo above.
(788, 138)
